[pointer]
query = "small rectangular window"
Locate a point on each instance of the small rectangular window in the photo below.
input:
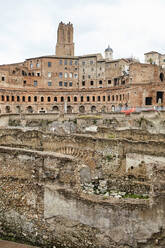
(60, 83)
(109, 81)
(76, 62)
(38, 65)
(49, 83)
(12, 98)
(91, 62)
(104, 98)
(60, 61)
(65, 62)
(35, 83)
(31, 65)
(49, 74)
(24, 82)
(3, 78)
(65, 84)
(49, 64)
(83, 63)
(60, 74)
(98, 98)
(70, 62)
(70, 84)
(83, 83)
(7, 98)
(76, 75)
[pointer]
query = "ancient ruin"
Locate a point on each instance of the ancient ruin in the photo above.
(74, 171)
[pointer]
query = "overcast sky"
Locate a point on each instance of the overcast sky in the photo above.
(28, 28)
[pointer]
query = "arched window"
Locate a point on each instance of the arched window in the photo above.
(49, 99)
(62, 99)
(23, 98)
(161, 77)
(88, 98)
(42, 99)
(29, 98)
(68, 99)
(35, 99)
(55, 99)
(75, 98)
(18, 98)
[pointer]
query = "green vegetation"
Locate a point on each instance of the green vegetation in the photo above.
(135, 196)
(111, 136)
(109, 157)
(90, 117)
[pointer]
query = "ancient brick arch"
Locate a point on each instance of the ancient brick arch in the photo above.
(86, 156)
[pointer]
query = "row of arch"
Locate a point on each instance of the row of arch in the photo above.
(69, 109)
(7, 98)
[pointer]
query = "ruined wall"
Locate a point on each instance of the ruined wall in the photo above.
(79, 190)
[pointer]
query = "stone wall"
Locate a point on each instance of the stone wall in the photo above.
(79, 190)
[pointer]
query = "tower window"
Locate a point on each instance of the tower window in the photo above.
(65, 62)
(49, 99)
(60, 61)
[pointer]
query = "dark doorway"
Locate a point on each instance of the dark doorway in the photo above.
(148, 101)
(159, 97)
(161, 77)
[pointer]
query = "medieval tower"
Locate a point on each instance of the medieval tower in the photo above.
(65, 45)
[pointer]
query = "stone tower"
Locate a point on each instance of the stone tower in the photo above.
(65, 45)
(108, 53)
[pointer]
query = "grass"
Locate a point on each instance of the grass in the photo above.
(136, 196)
(90, 117)
(111, 136)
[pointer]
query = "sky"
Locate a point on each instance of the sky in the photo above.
(28, 28)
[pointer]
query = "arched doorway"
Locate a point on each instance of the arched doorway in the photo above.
(93, 109)
(7, 108)
(30, 109)
(82, 109)
(18, 109)
(55, 109)
(103, 109)
(69, 109)
(113, 108)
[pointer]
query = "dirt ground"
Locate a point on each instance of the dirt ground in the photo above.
(7, 244)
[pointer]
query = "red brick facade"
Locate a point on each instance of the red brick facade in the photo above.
(78, 84)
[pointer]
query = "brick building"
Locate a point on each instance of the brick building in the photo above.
(79, 84)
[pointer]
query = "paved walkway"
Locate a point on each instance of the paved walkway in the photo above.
(7, 244)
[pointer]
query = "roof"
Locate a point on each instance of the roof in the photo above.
(151, 52)
(108, 49)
